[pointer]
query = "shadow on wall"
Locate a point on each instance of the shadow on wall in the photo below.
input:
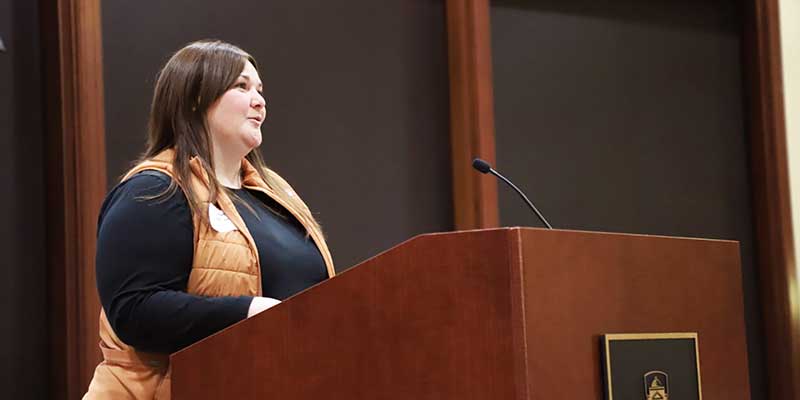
(23, 274)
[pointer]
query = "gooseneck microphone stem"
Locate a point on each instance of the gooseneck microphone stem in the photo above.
(484, 168)
(533, 207)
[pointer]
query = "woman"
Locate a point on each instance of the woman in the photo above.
(199, 234)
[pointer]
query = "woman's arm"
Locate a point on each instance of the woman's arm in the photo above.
(144, 257)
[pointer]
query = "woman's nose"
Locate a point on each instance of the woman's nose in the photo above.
(259, 101)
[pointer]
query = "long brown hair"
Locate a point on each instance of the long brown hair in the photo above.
(190, 82)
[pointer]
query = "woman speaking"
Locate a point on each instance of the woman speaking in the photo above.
(199, 234)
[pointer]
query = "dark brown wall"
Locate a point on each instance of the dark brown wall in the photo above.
(628, 116)
(357, 94)
(23, 288)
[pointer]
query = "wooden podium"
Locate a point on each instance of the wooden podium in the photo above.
(510, 313)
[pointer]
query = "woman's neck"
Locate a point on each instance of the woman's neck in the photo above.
(228, 170)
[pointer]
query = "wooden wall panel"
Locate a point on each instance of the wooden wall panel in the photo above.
(772, 210)
(76, 180)
(471, 112)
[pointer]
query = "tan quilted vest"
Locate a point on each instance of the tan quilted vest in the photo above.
(225, 264)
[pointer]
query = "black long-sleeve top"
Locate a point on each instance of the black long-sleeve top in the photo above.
(145, 253)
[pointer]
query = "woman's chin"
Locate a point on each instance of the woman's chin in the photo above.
(253, 140)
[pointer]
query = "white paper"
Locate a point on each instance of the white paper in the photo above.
(219, 221)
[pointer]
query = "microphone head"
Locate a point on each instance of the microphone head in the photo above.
(481, 165)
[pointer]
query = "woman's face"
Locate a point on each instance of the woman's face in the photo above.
(235, 118)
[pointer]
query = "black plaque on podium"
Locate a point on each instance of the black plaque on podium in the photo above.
(651, 366)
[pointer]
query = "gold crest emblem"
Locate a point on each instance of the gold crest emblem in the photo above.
(656, 385)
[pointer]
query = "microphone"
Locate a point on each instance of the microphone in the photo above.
(485, 168)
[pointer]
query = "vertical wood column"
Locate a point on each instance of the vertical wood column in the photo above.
(471, 112)
(771, 199)
(72, 44)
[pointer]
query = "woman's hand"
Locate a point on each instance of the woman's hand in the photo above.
(260, 304)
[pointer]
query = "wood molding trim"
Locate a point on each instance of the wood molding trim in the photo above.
(471, 112)
(771, 200)
(72, 44)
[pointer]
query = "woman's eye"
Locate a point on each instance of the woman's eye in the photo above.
(242, 85)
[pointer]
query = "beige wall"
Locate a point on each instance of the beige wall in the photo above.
(790, 41)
